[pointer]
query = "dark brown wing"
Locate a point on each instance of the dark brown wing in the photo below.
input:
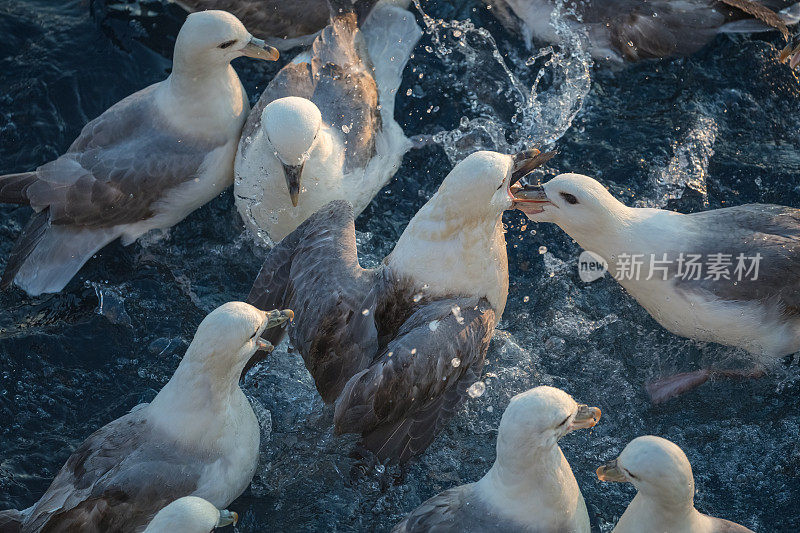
(401, 402)
(116, 480)
(315, 272)
(759, 11)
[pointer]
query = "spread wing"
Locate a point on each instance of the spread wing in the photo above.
(339, 80)
(419, 380)
(315, 272)
(115, 481)
(120, 165)
(771, 231)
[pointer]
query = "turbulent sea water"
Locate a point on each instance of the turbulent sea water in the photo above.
(717, 129)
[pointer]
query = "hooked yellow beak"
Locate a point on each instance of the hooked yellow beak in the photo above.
(227, 518)
(586, 417)
(611, 472)
(258, 49)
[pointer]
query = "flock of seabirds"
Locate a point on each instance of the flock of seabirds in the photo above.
(394, 348)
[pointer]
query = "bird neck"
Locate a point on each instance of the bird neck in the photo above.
(532, 485)
(196, 403)
(205, 99)
(648, 514)
(454, 256)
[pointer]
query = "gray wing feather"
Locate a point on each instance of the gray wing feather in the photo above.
(401, 402)
(116, 480)
(769, 230)
(315, 272)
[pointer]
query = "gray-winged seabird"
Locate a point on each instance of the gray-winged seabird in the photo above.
(663, 478)
(630, 30)
(145, 163)
(396, 347)
(324, 128)
(198, 437)
(530, 487)
(730, 276)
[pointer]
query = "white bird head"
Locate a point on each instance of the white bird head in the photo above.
(657, 468)
(190, 514)
(575, 202)
(535, 420)
(291, 125)
(228, 337)
(213, 38)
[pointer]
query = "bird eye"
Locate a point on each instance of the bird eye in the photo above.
(562, 423)
(631, 475)
(501, 184)
(227, 44)
(569, 198)
(253, 335)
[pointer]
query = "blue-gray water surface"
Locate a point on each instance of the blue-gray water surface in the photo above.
(717, 129)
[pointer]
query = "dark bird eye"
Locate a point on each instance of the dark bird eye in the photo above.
(254, 334)
(569, 198)
(501, 184)
(631, 475)
(562, 423)
(227, 44)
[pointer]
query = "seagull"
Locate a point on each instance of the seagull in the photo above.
(282, 24)
(145, 163)
(198, 437)
(730, 276)
(324, 128)
(396, 347)
(631, 30)
(663, 478)
(190, 514)
(530, 487)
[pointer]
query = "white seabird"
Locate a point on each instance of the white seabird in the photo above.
(190, 514)
(198, 437)
(663, 478)
(730, 276)
(631, 30)
(530, 487)
(145, 163)
(324, 128)
(280, 23)
(396, 347)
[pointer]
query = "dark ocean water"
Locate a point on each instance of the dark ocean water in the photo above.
(720, 128)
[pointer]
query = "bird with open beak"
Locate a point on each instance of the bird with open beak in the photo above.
(396, 347)
(730, 276)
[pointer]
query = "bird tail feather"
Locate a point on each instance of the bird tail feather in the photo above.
(14, 187)
(46, 257)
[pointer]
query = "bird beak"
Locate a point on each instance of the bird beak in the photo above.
(530, 199)
(276, 318)
(525, 162)
(227, 518)
(258, 49)
(586, 417)
(611, 472)
(293, 174)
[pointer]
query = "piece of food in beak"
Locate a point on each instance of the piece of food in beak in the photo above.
(611, 472)
(258, 49)
(276, 318)
(586, 417)
(293, 174)
(227, 518)
(525, 162)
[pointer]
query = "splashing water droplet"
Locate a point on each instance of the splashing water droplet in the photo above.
(433, 325)
(543, 249)
(365, 312)
(345, 128)
(456, 362)
(476, 389)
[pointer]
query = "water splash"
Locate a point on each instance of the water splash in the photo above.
(509, 115)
